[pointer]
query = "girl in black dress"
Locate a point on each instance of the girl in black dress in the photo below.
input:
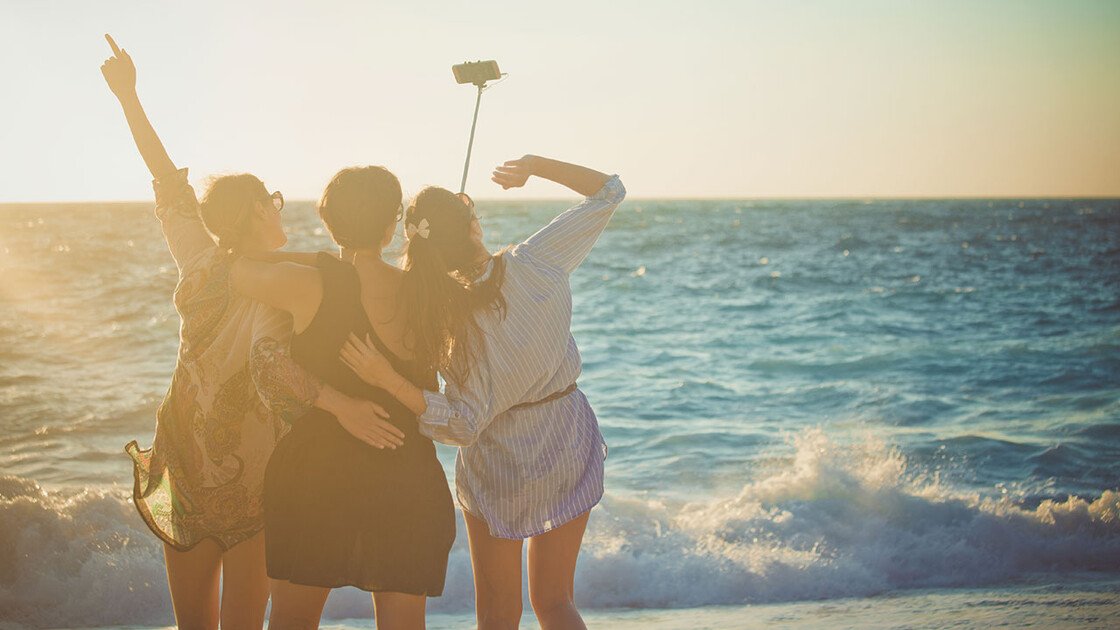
(341, 510)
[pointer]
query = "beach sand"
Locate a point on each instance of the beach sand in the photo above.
(1087, 602)
(1084, 601)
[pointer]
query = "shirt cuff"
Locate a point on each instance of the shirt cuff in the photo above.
(612, 191)
(170, 183)
(438, 412)
(170, 189)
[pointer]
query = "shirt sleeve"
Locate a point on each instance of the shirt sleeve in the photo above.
(179, 215)
(568, 239)
(285, 388)
(460, 414)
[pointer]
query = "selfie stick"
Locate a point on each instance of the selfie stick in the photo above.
(470, 143)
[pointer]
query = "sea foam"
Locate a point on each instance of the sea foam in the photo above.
(830, 521)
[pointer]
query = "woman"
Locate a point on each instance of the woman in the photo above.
(497, 327)
(199, 487)
(338, 512)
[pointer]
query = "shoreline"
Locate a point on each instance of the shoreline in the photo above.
(1081, 600)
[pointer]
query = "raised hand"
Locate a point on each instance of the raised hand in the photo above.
(514, 173)
(119, 71)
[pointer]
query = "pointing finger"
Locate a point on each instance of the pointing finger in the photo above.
(112, 44)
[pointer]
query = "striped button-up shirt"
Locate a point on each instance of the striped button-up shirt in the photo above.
(528, 470)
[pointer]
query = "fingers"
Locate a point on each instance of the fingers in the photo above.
(388, 426)
(350, 355)
(387, 438)
(350, 362)
(112, 44)
(377, 436)
(506, 180)
(383, 434)
(373, 440)
(358, 345)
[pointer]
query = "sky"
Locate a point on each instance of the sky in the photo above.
(697, 99)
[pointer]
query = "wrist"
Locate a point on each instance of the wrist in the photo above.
(329, 399)
(533, 163)
(397, 386)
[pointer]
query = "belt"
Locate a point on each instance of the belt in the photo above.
(551, 397)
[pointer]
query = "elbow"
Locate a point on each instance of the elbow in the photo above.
(463, 439)
(471, 440)
(620, 190)
(458, 442)
(465, 431)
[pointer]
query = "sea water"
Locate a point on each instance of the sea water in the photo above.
(839, 405)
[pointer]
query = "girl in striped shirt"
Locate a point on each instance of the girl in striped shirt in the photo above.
(498, 328)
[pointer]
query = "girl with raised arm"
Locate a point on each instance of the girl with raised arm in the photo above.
(497, 326)
(199, 486)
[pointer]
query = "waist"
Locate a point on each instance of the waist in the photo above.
(551, 397)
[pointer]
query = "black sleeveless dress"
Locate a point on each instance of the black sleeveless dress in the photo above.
(338, 512)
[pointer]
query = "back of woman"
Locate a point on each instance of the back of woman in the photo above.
(338, 511)
(344, 507)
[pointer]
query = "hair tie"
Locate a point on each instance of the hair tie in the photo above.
(422, 230)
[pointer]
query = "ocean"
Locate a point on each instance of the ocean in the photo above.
(820, 413)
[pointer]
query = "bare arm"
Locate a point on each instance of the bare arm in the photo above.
(120, 73)
(291, 391)
(515, 173)
(371, 366)
(568, 239)
(299, 258)
(296, 289)
(456, 417)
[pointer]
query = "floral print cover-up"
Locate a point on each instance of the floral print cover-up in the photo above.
(231, 391)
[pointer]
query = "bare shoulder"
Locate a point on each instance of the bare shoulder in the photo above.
(380, 281)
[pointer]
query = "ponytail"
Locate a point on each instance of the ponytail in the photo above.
(437, 291)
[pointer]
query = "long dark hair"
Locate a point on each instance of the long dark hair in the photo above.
(438, 291)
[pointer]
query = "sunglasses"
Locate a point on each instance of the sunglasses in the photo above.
(277, 200)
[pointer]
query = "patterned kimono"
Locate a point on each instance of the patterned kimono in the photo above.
(232, 388)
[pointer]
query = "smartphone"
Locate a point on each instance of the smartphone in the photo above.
(476, 72)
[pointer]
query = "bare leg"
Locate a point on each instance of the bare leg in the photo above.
(552, 571)
(296, 607)
(193, 577)
(399, 611)
(244, 585)
(496, 563)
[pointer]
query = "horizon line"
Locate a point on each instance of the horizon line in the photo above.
(1115, 197)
